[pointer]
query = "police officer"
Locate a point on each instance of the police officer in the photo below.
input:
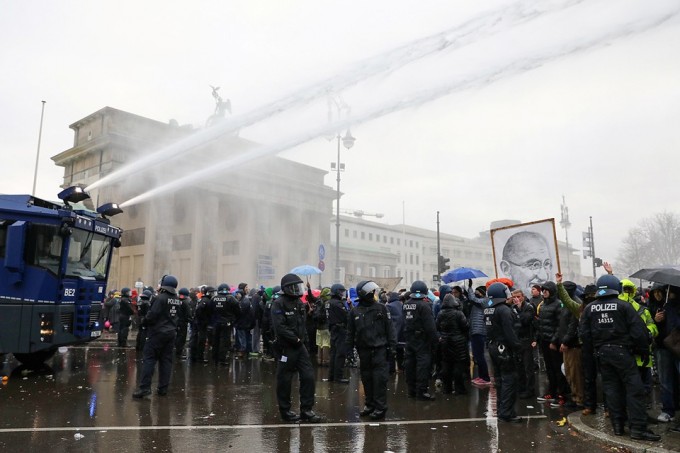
(370, 330)
(420, 335)
(162, 323)
(504, 349)
(143, 306)
(225, 310)
(184, 316)
(124, 314)
(199, 332)
(288, 322)
(337, 324)
(614, 331)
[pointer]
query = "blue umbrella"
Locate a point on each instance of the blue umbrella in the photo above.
(462, 273)
(305, 269)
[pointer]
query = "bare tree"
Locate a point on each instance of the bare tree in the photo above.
(655, 242)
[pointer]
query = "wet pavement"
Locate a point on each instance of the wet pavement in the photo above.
(82, 402)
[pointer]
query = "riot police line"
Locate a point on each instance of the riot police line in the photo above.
(432, 347)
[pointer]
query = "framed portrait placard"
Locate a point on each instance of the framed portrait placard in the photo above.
(526, 253)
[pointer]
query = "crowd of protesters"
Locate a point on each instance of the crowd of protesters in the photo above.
(443, 337)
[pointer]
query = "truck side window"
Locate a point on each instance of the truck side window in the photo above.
(43, 247)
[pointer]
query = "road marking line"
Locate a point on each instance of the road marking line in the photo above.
(276, 425)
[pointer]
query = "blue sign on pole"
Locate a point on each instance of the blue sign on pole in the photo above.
(322, 252)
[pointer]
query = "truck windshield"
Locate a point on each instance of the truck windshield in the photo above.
(88, 255)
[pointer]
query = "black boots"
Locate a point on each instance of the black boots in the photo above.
(310, 417)
(290, 416)
(644, 435)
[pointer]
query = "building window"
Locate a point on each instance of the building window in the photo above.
(230, 248)
(411, 258)
(384, 239)
(418, 260)
(134, 237)
(391, 240)
(370, 236)
(398, 241)
(354, 234)
(410, 243)
(363, 235)
(386, 272)
(346, 232)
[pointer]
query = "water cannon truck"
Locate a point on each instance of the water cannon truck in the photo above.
(54, 265)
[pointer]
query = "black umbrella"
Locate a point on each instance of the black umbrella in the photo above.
(667, 275)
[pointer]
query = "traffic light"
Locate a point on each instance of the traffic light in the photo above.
(597, 262)
(443, 266)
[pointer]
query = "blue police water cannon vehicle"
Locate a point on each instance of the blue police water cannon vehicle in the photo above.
(54, 265)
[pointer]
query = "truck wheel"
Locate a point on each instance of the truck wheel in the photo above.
(35, 359)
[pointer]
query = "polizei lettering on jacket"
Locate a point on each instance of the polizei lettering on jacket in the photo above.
(174, 303)
(408, 310)
(603, 307)
(488, 314)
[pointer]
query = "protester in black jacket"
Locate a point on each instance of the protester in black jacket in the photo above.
(452, 327)
(527, 338)
(547, 325)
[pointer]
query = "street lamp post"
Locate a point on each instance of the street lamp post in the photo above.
(348, 142)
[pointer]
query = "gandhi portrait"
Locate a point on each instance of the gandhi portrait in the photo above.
(526, 253)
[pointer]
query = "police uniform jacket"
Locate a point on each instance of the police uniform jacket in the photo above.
(337, 313)
(184, 312)
(419, 321)
(288, 320)
(370, 327)
(500, 324)
(610, 321)
(225, 309)
(163, 314)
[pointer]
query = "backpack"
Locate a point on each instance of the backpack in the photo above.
(320, 314)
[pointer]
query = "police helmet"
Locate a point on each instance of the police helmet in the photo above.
(368, 291)
(498, 290)
(183, 293)
(292, 285)
(126, 292)
(419, 290)
(168, 283)
(276, 292)
(146, 295)
(338, 290)
(223, 289)
(608, 285)
(209, 291)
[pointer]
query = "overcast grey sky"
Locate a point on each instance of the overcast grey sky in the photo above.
(581, 101)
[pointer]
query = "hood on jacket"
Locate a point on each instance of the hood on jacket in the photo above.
(551, 287)
(392, 297)
(450, 302)
(443, 291)
(628, 290)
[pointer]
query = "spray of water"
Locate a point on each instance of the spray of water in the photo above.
(479, 80)
(471, 31)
